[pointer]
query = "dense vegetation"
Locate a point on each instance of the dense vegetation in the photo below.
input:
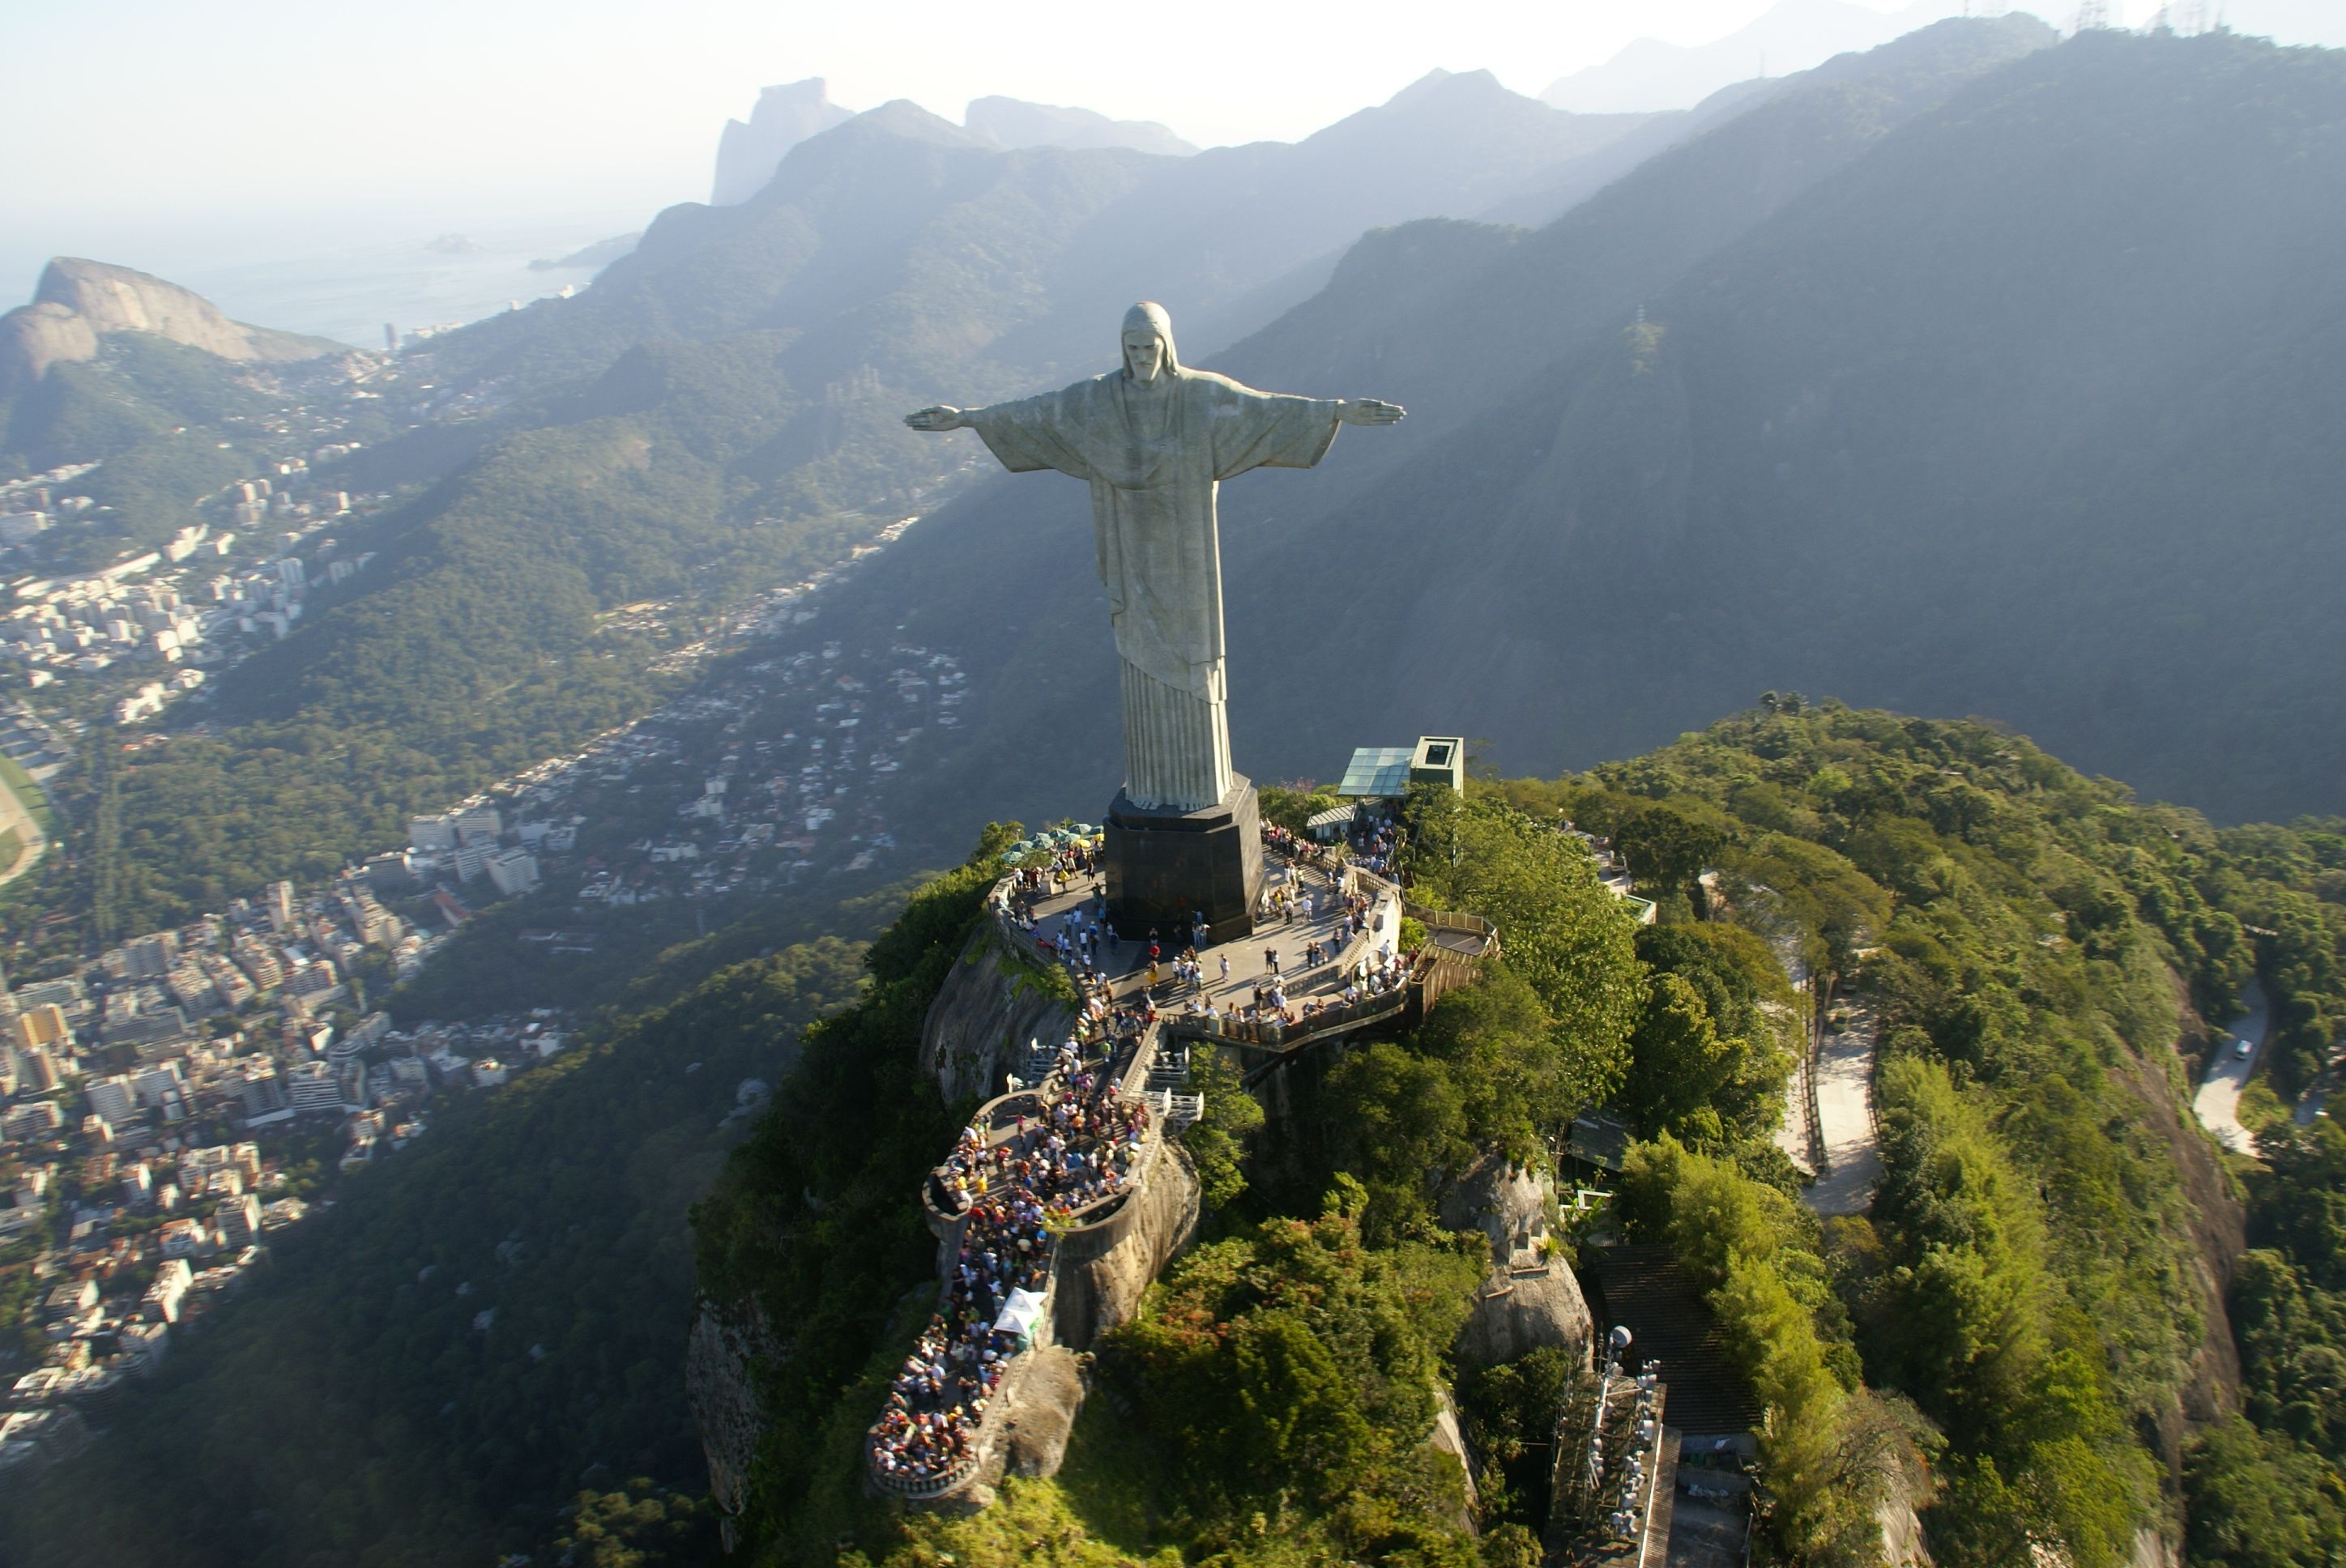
(2267, 1489)
(2019, 1318)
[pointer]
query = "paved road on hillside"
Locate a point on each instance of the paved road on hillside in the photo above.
(2217, 1103)
(1845, 1116)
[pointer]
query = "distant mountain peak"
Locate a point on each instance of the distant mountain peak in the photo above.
(1649, 74)
(904, 117)
(749, 151)
(79, 302)
(1013, 123)
(1441, 83)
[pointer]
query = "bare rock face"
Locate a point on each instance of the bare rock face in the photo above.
(985, 1015)
(1049, 1395)
(1448, 1438)
(1518, 1312)
(784, 116)
(1902, 1535)
(1103, 1277)
(720, 1360)
(1529, 1298)
(80, 302)
(39, 336)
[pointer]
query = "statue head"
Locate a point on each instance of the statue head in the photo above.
(1149, 343)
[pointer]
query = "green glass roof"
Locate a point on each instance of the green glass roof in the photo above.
(1377, 770)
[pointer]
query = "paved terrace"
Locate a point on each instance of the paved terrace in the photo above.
(1288, 933)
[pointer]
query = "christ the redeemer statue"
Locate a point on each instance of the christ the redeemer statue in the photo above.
(1155, 440)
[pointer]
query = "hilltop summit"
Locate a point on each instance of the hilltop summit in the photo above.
(78, 302)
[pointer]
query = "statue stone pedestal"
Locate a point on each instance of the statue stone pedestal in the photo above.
(1165, 867)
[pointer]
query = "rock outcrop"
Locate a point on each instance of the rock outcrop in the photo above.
(979, 1025)
(749, 151)
(35, 337)
(1528, 1297)
(720, 1359)
(79, 303)
(1049, 1395)
(1104, 1271)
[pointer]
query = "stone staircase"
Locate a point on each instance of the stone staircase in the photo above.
(1169, 1068)
(1173, 1111)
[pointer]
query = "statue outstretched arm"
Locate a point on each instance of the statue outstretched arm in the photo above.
(1369, 411)
(941, 417)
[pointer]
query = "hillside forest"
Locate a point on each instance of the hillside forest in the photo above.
(2045, 1330)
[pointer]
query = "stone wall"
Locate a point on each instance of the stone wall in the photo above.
(1103, 1272)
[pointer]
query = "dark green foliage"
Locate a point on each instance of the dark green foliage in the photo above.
(1832, 1450)
(1220, 1140)
(1293, 808)
(640, 1525)
(1513, 1408)
(2026, 1277)
(2255, 1499)
(1397, 1121)
(814, 1222)
(1563, 933)
(1291, 1371)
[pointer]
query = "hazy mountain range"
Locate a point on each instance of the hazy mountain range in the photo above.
(2014, 447)
(1790, 36)
(750, 150)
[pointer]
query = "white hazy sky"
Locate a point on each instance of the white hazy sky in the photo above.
(269, 117)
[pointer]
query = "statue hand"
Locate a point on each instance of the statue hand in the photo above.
(1369, 411)
(941, 417)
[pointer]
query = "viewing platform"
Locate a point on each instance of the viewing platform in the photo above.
(1058, 1165)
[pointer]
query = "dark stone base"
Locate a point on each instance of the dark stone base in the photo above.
(1164, 866)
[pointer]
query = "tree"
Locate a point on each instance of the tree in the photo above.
(1396, 1119)
(1678, 1063)
(1568, 937)
(1668, 845)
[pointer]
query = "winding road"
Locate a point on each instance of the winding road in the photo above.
(2218, 1102)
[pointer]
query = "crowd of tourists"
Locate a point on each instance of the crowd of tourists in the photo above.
(1077, 1148)
(1376, 844)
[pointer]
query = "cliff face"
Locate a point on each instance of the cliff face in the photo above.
(1527, 1299)
(80, 302)
(37, 336)
(1103, 1274)
(980, 1021)
(719, 1372)
(784, 116)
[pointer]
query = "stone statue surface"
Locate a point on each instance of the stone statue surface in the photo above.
(1155, 440)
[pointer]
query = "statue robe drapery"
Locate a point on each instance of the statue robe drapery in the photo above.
(1155, 454)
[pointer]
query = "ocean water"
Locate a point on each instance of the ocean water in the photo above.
(349, 293)
(345, 280)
